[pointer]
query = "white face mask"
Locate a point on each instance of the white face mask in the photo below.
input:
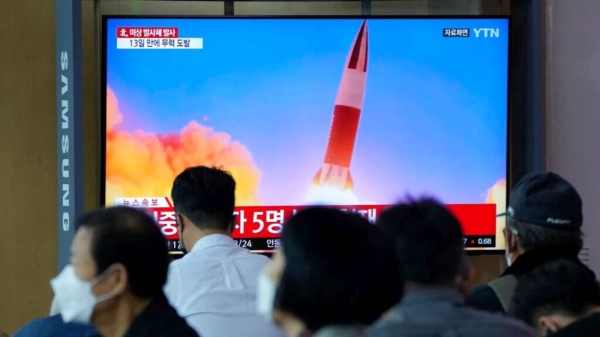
(265, 297)
(74, 298)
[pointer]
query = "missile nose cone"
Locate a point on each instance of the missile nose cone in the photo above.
(359, 52)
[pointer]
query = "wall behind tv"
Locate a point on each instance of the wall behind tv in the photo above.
(28, 160)
(28, 251)
(573, 101)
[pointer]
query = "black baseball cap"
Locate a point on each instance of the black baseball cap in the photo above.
(545, 199)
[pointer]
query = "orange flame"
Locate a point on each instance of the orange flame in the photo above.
(143, 164)
(497, 195)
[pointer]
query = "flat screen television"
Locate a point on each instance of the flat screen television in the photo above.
(353, 113)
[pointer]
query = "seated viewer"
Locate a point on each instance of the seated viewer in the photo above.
(559, 299)
(118, 268)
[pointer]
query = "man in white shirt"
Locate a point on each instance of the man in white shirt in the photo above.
(214, 285)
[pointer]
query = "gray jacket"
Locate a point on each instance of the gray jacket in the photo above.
(441, 313)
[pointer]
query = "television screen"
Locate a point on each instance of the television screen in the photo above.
(348, 112)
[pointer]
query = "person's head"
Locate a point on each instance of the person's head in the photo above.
(204, 200)
(429, 242)
(333, 268)
(118, 258)
(555, 295)
(544, 211)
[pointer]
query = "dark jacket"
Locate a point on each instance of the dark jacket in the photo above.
(585, 327)
(159, 319)
(484, 298)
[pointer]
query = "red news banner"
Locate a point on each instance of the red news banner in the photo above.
(141, 32)
(259, 227)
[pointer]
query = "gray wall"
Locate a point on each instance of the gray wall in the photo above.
(572, 98)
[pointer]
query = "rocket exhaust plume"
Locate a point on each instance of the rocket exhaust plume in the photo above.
(335, 172)
(497, 195)
(143, 164)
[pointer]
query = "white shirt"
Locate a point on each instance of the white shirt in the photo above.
(214, 288)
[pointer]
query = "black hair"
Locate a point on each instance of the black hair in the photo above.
(560, 286)
(339, 269)
(132, 238)
(428, 239)
(533, 236)
(206, 196)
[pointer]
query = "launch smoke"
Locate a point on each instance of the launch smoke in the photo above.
(145, 164)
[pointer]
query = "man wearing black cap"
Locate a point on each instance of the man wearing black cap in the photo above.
(543, 224)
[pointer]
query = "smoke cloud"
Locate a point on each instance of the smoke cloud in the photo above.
(497, 195)
(143, 164)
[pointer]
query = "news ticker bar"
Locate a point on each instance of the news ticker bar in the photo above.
(268, 245)
(253, 222)
(477, 241)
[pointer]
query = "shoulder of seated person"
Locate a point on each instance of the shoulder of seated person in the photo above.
(36, 326)
(501, 324)
(480, 288)
(183, 331)
(53, 324)
(341, 331)
(481, 293)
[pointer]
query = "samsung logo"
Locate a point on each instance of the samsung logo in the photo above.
(65, 145)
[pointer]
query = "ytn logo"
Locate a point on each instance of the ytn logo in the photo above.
(487, 33)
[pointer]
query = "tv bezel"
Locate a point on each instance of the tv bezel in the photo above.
(103, 80)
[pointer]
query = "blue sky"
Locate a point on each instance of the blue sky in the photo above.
(434, 116)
